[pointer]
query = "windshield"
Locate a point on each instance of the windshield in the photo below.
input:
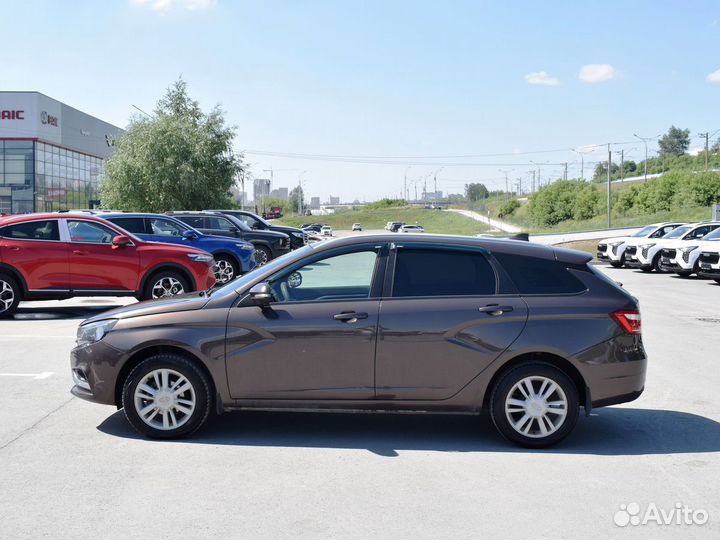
(713, 236)
(644, 231)
(677, 233)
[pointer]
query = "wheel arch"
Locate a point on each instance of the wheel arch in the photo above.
(162, 267)
(138, 356)
(554, 360)
(15, 274)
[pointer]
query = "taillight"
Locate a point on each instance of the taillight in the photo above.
(629, 320)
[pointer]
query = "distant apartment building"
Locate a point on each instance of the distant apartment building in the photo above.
(261, 189)
(334, 200)
(314, 203)
(429, 196)
(280, 193)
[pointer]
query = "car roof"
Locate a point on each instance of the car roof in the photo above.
(20, 218)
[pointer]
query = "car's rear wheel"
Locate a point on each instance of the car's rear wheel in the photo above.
(656, 264)
(534, 405)
(225, 269)
(166, 396)
(165, 284)
(10, 295)
(262, 255)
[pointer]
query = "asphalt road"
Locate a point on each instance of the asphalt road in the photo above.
(71, 469)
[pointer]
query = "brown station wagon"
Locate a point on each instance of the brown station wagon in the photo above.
(377, 323)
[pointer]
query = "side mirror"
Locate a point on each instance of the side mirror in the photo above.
(121, 241)
(190, 235)
(261, 294)
(234, 230)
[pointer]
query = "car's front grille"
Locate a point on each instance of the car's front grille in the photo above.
(669, 253)
(631, 250)
(709, 257)
(602, 247)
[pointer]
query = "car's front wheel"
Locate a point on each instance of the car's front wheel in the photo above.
(262, 255)
(166, 396)
(9, 296)
(164, 284)
(534, 405)
(225, 269)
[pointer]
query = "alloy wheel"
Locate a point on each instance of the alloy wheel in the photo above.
(261, 257)
(164, 399)
(536, 406)
(224, 271)
(167, 286)
(7, 296)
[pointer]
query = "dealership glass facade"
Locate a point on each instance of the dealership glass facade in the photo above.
(41, 177)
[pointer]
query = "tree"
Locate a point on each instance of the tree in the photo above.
(179, 159)
(600, 172)
(474, 192)
(675, 142)
(296, 195)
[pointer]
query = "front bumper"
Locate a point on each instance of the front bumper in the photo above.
(95, 369)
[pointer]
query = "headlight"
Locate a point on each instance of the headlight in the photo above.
(199, 257)
(297, 235)
(93, 332)
(245, 245)
(688, 249)
(646, 246)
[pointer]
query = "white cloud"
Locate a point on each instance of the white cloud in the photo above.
(541, 78)
(167, 5)
(597, 73)
(714, 77)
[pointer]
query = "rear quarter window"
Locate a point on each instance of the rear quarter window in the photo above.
(533, 275)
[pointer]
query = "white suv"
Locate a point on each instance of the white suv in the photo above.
(612, 250)
(685, 260)
(644, 253)
(709, 260)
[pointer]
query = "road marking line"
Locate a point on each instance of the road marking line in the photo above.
(36, 376)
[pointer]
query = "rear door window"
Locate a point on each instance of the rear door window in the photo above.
(442, 272)
(196, 222)
(133, 225)
(32, 230)
(533, 275)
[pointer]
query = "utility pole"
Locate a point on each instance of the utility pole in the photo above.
(707, 146)
(520, 187)
(565, 173)
(533, 181)
(405, 189)
(645, 141)
(609, 197)
(622, 165)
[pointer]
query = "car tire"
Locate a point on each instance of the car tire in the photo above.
(226, 269)
(620, 263)
(522, 416)
(656, 264)
(262, 255)
(153, 409)
(170, 281)
(10, 296)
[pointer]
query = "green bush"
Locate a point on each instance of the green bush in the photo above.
(563, 200)
(387, 203)
(508, 208)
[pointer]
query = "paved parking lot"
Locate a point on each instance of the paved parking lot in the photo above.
(71, 469)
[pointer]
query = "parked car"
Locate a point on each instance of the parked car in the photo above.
(644, 253)
(232, 257)
(298, 238)
(395, 226)
(326, 230)
(411, 229)
(56, 256)
(709, 263)
(685, 260)
(529, 332)
(612, 250)
(313, 227)
(268, 244)
(356, 227)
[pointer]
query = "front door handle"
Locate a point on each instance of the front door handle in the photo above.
(80, 252)
(495, 309)
(349, 316)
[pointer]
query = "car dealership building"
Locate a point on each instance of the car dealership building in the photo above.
(52, 156)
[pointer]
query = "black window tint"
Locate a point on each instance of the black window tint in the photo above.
(32, 230)
(539, 276)
(441, 272)
(220, 224)
(133, 225)
(197, 222)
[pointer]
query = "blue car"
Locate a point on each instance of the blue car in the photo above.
(232, 256)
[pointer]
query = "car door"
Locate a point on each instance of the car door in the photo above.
(35, 249)
(441, 323)
(95, 263)
(316, 340)
(222, 226)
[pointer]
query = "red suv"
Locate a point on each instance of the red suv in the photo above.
(55, 256)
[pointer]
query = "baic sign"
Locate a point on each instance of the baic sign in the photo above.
(12, 115)
(48, 119)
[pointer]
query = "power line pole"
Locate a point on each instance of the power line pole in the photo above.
(565, 173)
(707, 146)
(609, 197)
(533, 181)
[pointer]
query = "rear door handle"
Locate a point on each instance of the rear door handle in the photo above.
(349, 316)
(495, 309)
(80, 252)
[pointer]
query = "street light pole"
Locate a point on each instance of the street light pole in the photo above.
(645, 141)
(609, 197)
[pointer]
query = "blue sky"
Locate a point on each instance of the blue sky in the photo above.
(388, 78)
